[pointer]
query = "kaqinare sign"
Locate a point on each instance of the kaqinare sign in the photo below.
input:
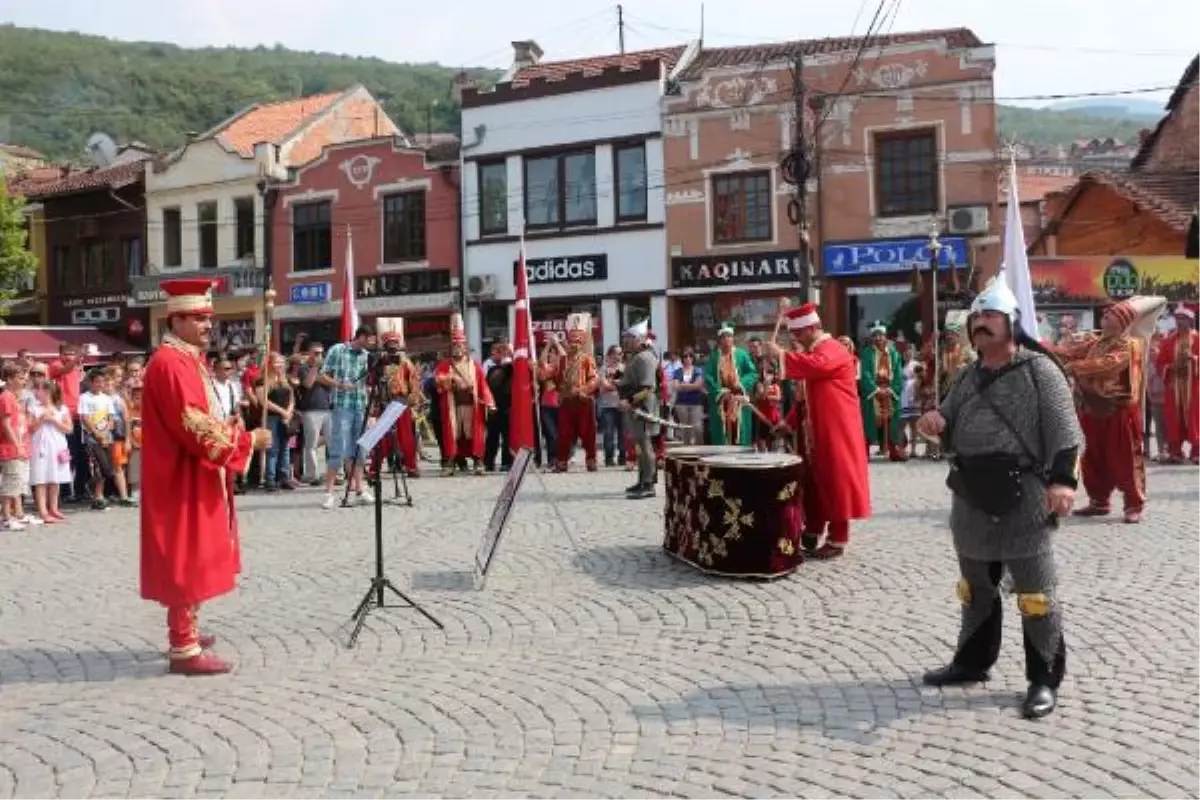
(781, 267)
(564, 269)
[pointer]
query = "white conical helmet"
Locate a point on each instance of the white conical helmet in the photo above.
(996, 296)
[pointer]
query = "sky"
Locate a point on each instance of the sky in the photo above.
(1111, 45)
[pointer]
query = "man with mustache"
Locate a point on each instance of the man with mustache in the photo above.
(1009, 421)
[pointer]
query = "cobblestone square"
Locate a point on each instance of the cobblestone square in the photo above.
(592, 664)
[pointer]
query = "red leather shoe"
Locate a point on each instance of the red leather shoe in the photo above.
(203, 664)
(1091, 511)
(1133, 517)
(828, 551)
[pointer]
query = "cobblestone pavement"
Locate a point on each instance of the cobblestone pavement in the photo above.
(591, 664)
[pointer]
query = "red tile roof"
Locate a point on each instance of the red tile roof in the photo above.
(83, 180)
(559, 70)
(43, 343)
(1170, 196)
(1186, 84)
(718, 57)
(21, 151)
(271, 122)
(1033, 188)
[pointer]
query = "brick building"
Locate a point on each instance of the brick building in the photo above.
(905, 140)
(94, 229)
(399, 205)
(1149, 209)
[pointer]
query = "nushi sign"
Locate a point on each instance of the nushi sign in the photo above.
(564, 269)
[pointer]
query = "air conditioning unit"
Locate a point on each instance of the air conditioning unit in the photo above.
(968, 220)
(481, 287)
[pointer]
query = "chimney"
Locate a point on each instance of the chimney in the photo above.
(526, 54)
(462, 81)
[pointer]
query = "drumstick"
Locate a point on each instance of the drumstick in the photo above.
(784, 304)
(746, 402)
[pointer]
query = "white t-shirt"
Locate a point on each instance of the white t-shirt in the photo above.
(97, 407)
(908, 394)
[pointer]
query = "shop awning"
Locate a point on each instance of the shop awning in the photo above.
(43, 342)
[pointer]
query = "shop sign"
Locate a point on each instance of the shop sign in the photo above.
(94, 301)
(310, 293)
(1097, 280)
(556, 323)
(565, 269)
(782, 267)
(881, 256)
(426, 281)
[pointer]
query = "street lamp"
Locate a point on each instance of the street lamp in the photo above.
(935, 250)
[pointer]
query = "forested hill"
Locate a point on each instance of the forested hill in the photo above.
(58, 88)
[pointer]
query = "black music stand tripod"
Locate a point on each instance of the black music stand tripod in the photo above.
(374, 597)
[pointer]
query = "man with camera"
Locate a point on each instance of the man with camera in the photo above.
(316, 409)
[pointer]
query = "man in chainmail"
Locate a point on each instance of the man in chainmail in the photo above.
(1009, 422)
(639, 392)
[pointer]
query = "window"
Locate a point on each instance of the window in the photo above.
(206, 220)
(493, 198)
(244, 209)
(741, 207)
(62, 277)
(906, 173)
(312, 237)
(131, 256)
(560, 190)
(98, 270)
(172, 238)
(404, 227)
(631, 182)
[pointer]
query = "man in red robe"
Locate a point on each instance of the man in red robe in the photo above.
(1177, 364)
(836, 443)
(577, 380)
(465, 399)
(403, 384)
(191, 452)
(1108, 370)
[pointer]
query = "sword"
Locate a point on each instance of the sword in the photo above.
(642, 415)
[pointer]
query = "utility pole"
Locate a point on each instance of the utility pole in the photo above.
(621, 27)
(796, 167)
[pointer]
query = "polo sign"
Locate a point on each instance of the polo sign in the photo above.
(876, 256)
(565, 269)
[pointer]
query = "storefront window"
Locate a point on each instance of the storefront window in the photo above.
(751, 315)
(552, 318)
(894, 305)
(326, 332)
(493, 322)
(634, 311)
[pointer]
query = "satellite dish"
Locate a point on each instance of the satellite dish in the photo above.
(101, 149)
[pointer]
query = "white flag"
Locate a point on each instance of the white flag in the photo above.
(1016, 260)
(349, 309)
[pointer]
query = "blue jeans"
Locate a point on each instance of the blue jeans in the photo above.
(549, 422)
(344, 430)
(279, 457)
(612, 430)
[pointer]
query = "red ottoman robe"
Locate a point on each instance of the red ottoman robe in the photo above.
(190, 454)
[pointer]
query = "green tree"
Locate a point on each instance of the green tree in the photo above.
(17, 263)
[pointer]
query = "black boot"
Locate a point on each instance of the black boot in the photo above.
(1039, 701)
(637, 487)
(953, 675)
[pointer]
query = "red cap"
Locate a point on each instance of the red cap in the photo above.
(189, 295)
(804, 316)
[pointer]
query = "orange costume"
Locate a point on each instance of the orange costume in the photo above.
(577, 380)
(1109, 384)
(465, 399)
(190, 455)
(404, 384)
(1177, 364)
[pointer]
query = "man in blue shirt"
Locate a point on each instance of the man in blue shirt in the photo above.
(345, 372)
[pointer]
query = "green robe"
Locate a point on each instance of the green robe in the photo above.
(866, 383)
(747, 377)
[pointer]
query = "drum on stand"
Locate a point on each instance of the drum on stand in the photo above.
(735, 512)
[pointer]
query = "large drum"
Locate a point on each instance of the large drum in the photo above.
(734, 512)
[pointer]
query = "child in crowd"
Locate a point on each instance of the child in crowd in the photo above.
(768, 401)
(14, 449)
(50, 457)
(910, 402)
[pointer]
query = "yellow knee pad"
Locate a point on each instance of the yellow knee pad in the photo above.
(963, 590)
(1033, 604)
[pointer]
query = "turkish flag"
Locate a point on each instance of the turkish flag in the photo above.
(520, 421)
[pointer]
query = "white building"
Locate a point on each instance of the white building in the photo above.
(205, 203)
(569, 153)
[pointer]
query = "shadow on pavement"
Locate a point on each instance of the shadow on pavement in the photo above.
(450, 580)
(854, 711)
(638, 566)
(88, 665)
